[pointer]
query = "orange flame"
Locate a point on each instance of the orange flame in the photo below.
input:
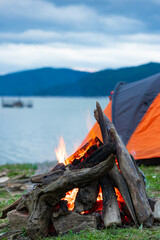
(81, 151)
(70, 197)
(61, 153)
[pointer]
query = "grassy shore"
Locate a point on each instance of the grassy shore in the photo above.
(7, 197)
(152, 175)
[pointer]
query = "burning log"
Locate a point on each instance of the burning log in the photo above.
(96, 157)
(86, 197)
(114, 173)
(132, 178)
(41, 200)
(84, 151)
(110, 213)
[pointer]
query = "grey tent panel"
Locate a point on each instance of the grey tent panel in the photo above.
(131, 101)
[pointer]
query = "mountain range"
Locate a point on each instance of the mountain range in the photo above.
(68, 82)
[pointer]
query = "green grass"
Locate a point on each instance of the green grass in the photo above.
(152, 175)
(13, 170)
(18, 169)
(113, 233)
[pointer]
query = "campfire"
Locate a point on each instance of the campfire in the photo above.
(98, 186)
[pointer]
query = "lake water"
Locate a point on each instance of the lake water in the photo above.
(32, 134)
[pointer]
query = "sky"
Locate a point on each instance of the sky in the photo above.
(80, 34)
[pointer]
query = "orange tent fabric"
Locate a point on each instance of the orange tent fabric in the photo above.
(145, 141)
(135, 112)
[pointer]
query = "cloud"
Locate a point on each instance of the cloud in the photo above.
(42, 36)
(45, 15)
(44, 12)
(89, 39)
(120, 24)
(153, 39)
(20, 56)
(77, 34)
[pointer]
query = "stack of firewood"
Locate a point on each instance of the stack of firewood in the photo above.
(109, 166)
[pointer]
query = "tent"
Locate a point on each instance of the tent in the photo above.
(135, 112)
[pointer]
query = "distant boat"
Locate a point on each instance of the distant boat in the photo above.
(16, 104)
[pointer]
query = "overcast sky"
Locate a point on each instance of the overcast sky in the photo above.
(80, 34)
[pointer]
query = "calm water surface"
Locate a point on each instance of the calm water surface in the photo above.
(32, 134)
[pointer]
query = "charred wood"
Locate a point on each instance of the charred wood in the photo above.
(86, 197)
(59, 166)
(96, 157)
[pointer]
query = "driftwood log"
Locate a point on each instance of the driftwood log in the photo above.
(111, 212)
(132, 177)
(114, 173)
